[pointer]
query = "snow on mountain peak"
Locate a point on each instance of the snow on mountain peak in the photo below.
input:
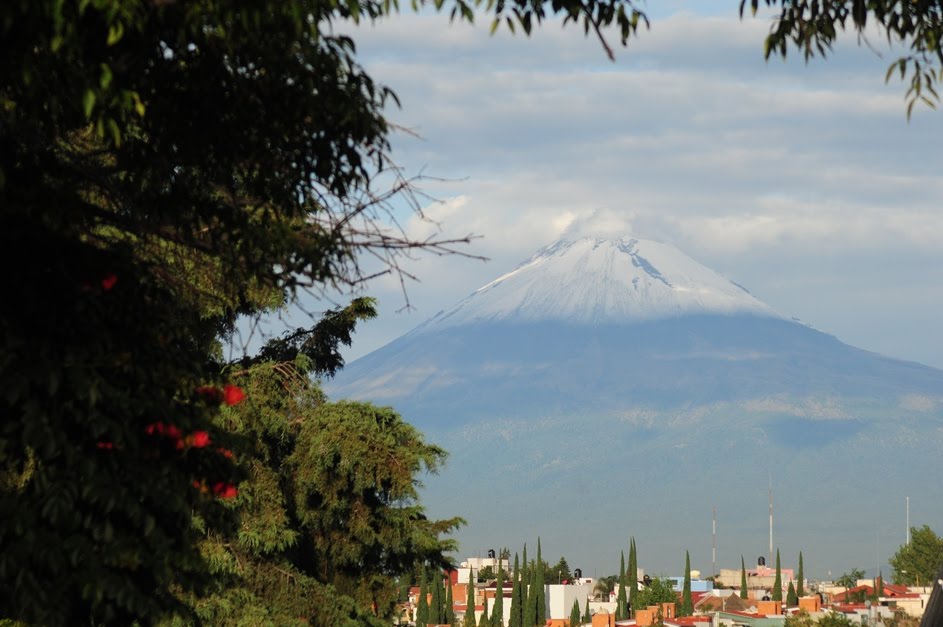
(597, 281)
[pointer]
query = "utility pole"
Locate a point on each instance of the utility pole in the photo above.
(770, 560)
(714, 545)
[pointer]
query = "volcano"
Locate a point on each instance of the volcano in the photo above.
(611, 373)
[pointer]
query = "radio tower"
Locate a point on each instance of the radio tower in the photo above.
(770, 561)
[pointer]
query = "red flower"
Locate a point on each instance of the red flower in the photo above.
(199, 439)
(105, 446)
(225, 490)
(211, 393)
(225, 452)
(233, 394)
(109, 281)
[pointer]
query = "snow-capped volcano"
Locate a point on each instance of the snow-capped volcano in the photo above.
(600, 281)
(618, 382)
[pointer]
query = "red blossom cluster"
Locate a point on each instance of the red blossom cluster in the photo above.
(221, 489)
(230, 394)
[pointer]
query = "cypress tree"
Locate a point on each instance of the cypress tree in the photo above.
(622, 604)
(541, 595)
(497, 611)
(800, 591)
(529, 618)
(470, 602)
(778, 582)
(587, 617)
(633, 574)
(743, 579)
(687, 605)
(525, 573)
(422, 609)
(791, 598)
(575, 614)
(437, 606)
(449, 603)
(485, 621)
(514, 620)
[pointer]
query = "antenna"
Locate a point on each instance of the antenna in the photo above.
(714, 545)
(907, 535)
(770, 517)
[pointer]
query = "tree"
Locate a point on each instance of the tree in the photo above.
(587, 617)
(575, 615)
(514, 620)
(850, 579)
(604, 587)
(470, 602)
(486, 574)
(877, 590)
(541, 595)
(792, 598)
(920, 560)
(834, 619)
(800, 590)
(743, 579)
(560, 571)
(813, 27)
(422, 607)
(799, 619)
(449, 603)
(687, 605)
(165, 169)
(659, 591)
(497, 611)
(622, 605)
(778, 581)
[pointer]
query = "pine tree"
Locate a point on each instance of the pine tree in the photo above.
(743, 579)
(792, 599)
(470, 602)
(497, 610)
(514, 620)
(541, 594)
(622, 604)
(633, 575)
(687, 605)
(800, 590)
(778, 582)
(422, 608)
(575, 614)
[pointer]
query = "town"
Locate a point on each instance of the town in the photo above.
(493, 591)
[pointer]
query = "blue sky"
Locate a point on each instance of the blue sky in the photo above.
(803, 182)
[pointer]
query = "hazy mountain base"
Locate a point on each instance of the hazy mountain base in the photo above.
(586, 434)
(585, 482)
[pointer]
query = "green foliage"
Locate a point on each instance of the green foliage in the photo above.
(850, 579)
(800, 588)
(541, 593)
(687, 605)
(659, 591)
(920, 560)
(497, 611)
(575, 615)
(517, 602)
(813, 26)
(587, 617)
(834, 619)
(792, 599)
(422, 607)
(470, 602)
(633, 571)
(799, 619)
(559, 572)
(622, 608)
(743, 579)
(778, 581)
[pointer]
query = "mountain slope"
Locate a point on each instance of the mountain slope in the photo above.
(607, 388)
